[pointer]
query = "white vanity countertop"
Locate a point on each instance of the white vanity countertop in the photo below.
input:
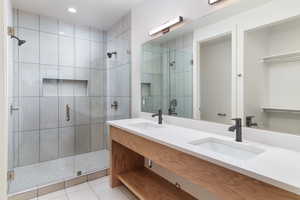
(276, 166)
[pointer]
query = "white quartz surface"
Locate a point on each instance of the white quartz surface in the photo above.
(276, 166)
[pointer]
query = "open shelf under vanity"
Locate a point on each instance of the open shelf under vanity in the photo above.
(146, 185)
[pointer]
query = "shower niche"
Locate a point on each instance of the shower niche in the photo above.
(66, 87)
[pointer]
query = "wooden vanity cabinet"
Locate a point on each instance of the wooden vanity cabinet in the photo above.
(127, 167)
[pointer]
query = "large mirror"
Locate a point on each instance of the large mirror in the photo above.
(215, 69)
(272, 77)
(268, 83)
(167, 76)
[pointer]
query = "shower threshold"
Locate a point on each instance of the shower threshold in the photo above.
(34, 176)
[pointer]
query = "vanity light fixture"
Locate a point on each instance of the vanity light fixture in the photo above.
(211, 2)
(165, 28)
(72, 10)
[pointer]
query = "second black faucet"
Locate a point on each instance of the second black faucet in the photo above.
(237, 128)
(159, 114)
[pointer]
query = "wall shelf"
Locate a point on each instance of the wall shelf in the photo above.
(280, 109)
(146, 185)
(287, 57)
(67, 87)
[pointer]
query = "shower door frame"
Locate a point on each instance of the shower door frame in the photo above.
(3, 99)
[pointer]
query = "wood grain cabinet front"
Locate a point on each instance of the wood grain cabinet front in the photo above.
(127, 160)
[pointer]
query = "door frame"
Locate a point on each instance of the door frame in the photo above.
(203, 34)
(3, 99)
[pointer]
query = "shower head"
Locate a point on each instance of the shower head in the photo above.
(109, 54)
(20, 42)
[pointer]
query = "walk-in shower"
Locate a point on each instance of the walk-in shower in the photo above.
(60, 86)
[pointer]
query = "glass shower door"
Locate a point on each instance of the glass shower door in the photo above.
(180, 75)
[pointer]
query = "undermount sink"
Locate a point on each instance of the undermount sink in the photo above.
(145, 125)
(238, 151)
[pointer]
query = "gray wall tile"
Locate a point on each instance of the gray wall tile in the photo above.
(48, 144)
(29, 113)
(96, 83)
(66, 29)
(82, 53)
(83, 139)
(97, 109)
(48, 112)
(48, 49)
(66, 141)
(29, 147)
(82, 110)
(29, 80)
(28, 20)
(97, 137)
(66, 51)
(48, 24)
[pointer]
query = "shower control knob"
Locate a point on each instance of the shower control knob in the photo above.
(115, 105)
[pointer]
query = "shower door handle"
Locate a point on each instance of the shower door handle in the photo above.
(13, 108)
(68, 118)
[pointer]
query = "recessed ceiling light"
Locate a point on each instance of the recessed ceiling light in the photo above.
(72, 10)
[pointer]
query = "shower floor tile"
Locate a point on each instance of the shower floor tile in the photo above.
(29, 177)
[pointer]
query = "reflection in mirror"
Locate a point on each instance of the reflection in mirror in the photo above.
(271, 85)
(167, 76)
(215, 80)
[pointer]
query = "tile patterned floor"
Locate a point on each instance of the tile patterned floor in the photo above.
(95, 190)
(32, 176)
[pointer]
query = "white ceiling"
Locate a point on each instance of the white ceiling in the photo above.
(97, 13)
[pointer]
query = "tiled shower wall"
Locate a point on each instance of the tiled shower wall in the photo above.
(61, 64)
(167, 74)
(151, 80)
(118, 39)
(178, 77)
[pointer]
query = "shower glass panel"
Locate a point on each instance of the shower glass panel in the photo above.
(57, 102)
(167, 77)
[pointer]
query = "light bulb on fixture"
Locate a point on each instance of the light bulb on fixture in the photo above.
(211, 2)
(166, 26)
(72, 10)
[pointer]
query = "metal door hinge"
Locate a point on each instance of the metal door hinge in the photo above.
(11, 31)
(11, 175)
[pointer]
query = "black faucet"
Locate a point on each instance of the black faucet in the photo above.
(238, 128)
(249, 122)
(159, 114)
